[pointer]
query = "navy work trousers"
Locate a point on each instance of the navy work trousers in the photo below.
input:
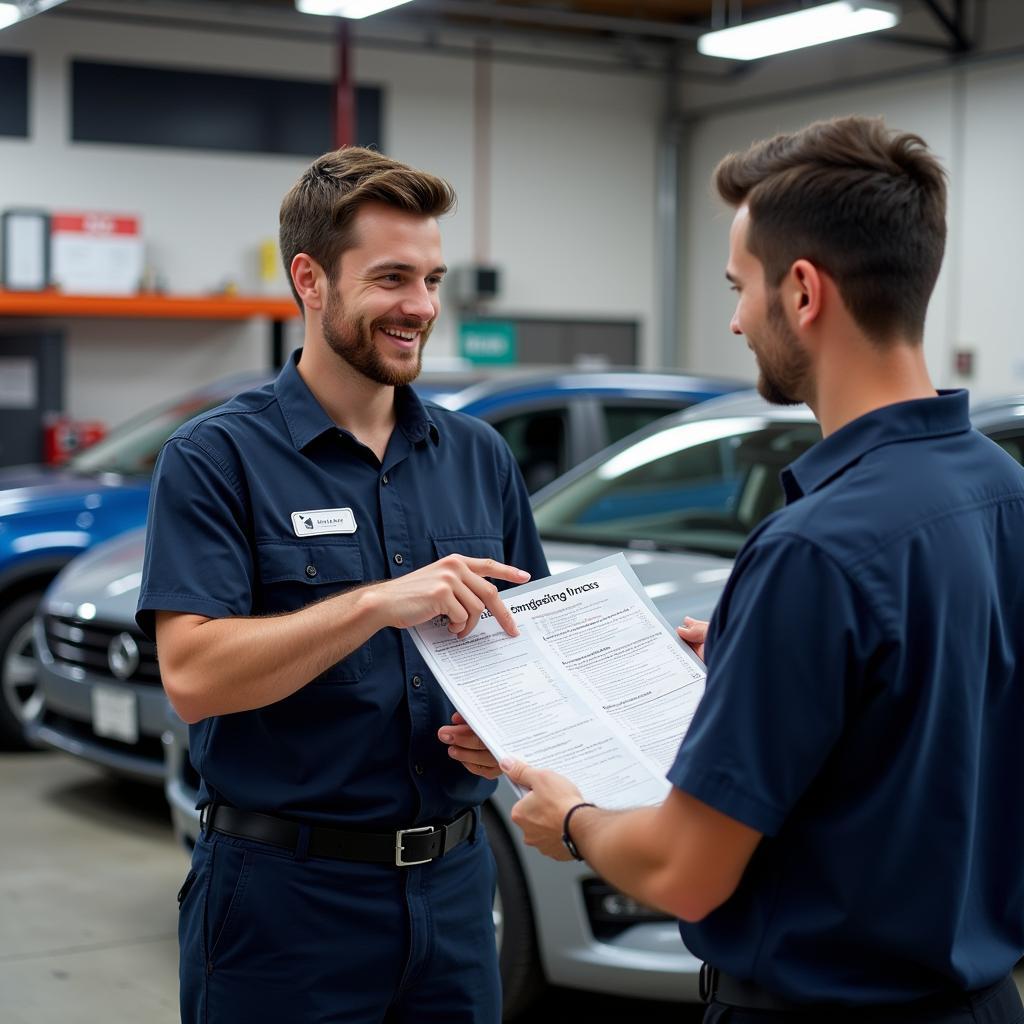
(267, 938)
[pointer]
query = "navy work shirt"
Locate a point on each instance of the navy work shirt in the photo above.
(865, 711)
(357, 746)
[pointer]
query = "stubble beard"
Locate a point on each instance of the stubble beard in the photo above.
(784, 367)
(351, 339)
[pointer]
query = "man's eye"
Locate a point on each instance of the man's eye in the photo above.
(435, 281)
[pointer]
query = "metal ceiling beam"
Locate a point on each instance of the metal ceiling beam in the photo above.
(953, 24)
(556, 19)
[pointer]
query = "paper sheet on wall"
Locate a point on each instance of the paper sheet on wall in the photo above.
(597, 686)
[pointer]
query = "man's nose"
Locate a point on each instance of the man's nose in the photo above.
(420, 302)
(734, 323)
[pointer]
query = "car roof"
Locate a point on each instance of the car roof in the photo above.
(987, 413)
(526, 384)
(462, 388)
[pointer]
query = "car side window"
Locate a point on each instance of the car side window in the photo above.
(624, 418)
(539, 443)
(705, 497)
(1012, 444)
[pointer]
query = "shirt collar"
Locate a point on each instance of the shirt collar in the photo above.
(307, 420)
(903, 421)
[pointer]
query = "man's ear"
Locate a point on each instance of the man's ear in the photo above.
(803, 289)
(310, 281)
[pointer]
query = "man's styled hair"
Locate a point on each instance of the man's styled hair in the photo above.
(866, 205)
(318, 212)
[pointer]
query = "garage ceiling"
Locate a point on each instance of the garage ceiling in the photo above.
(655, 37)
(593, 21)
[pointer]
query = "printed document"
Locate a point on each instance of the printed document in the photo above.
(597, 686)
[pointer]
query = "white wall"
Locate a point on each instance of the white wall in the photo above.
(571, 192)
(971, 118)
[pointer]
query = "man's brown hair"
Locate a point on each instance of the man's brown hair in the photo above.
(863, 203)
(318, 212)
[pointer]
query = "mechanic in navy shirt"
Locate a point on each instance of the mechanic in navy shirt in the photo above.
(843, 840)
(295, 534)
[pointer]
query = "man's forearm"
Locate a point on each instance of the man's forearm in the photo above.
(219, 666)
(683, 857)
(624, 849)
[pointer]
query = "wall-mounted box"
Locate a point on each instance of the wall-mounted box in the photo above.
(475, 282)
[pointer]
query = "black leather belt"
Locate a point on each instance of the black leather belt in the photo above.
(723, 988)
(403, 847)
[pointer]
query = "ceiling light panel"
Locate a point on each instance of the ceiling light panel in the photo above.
(346, 8)
(808, 27)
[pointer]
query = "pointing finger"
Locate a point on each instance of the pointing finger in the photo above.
(497, 570)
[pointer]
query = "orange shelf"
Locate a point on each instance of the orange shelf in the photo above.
(159, 307)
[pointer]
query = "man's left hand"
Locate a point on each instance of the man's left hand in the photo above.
(541, 813)
(464, 745)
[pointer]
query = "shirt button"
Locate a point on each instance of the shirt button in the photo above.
(399, 559)
(419, 769)
(310, 571)
(384, 479)
(417, 681)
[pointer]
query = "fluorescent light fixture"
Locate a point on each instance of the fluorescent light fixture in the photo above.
(807, 27)
(346, 8)
(9, 14)
(12, 12)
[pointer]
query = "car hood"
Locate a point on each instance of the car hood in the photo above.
(31, 490)
(679, 583)
(107, 577)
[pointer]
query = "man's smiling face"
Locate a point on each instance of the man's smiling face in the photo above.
(387, 296)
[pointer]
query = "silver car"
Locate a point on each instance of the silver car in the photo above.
(679, 498)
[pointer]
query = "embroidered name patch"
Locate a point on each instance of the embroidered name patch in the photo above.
(323, 520)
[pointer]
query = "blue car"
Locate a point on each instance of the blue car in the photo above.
(551, 420)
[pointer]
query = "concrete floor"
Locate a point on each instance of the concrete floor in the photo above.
(88, 876)
(89, 870)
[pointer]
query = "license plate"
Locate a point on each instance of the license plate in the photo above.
(115, 714)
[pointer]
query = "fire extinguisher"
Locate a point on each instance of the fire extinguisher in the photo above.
(63, 435)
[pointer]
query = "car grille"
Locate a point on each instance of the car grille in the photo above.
(87, 645)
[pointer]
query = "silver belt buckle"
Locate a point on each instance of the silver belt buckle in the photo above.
(399, 836)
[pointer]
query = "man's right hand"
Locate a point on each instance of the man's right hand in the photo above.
(455, 586)
(237, 663)
(694, 632)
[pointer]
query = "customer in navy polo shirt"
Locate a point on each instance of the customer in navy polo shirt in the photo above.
(295, 533)
(844, 838)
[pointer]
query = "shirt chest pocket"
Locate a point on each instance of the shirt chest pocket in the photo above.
(294, 575)
(472, 546)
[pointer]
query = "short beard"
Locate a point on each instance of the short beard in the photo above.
(784, 374)
(352, 341)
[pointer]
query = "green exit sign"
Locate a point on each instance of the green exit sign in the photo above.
(492, 341)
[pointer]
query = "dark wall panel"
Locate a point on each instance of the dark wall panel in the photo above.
(197, 110)
(13, 95)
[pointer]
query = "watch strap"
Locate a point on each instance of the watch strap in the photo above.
(567, 840)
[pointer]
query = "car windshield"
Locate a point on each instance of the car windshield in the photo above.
(131, 449)
(696, 486)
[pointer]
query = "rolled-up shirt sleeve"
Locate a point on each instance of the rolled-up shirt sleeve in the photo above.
(198, 557)
(786, 650)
